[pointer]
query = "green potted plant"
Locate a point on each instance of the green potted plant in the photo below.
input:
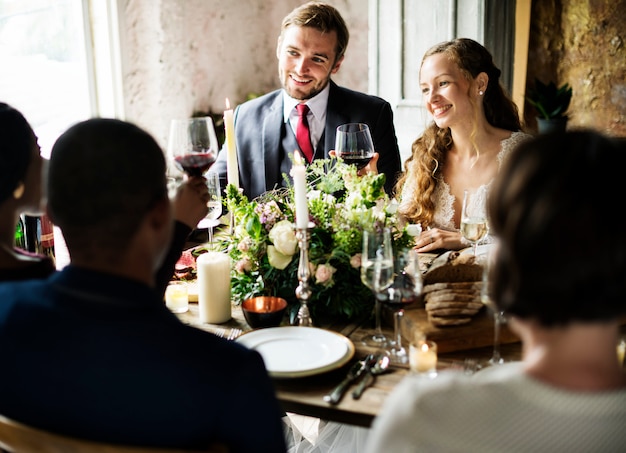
(551, 103)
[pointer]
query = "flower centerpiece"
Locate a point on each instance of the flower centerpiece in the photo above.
(264, 249)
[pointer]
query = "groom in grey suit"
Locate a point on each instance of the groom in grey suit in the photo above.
(310, 49)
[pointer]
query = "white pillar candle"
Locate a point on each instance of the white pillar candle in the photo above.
(423, 357)
(213, 270)
(232, 166)
(298, 173)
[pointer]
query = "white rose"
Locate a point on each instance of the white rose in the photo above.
(283, 237)
(414, 229)
(392, 207)
(277, 259)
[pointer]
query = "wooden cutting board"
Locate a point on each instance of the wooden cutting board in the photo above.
(477, 334)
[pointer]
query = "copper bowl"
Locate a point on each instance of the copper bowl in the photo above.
(264, 311)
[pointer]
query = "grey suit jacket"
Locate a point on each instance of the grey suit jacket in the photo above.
(264, 141)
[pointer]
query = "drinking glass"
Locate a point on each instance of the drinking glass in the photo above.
(473, 220)
(498, 315)
(353, 144)
(377, 275)
(192, 145)
(404, 291)
(177, 297)
(214, 204)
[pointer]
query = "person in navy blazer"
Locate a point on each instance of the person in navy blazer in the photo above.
(92, 351)
(310, 49)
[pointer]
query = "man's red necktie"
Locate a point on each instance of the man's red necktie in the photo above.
(302, 132)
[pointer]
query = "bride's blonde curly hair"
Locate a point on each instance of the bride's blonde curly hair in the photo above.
(422, 169)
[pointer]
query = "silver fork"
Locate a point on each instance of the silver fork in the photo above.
(234, 333)
(220, 333)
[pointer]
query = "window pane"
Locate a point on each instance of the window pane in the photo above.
(44, 71)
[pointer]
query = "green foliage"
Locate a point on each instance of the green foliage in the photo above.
(550, 101)
(341, 204)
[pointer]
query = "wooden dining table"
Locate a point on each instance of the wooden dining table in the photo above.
(305, 395)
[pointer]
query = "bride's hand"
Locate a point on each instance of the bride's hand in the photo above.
(435, 238)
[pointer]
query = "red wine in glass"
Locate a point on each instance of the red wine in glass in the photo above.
(195, 164)
(359, 159)
(353, 144)
(405, 290)
(192, 145)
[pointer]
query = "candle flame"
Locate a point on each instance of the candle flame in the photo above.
(227, 104)
(297, 158)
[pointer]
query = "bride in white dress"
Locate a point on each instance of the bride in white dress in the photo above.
(475, 124)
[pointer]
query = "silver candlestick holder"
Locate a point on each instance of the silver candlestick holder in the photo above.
(303, 291)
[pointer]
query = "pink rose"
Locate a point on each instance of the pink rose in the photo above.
(243, 265)
(355, 261)
(324, 274)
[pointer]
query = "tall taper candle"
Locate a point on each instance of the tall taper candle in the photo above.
(298, 174)
(232, 167)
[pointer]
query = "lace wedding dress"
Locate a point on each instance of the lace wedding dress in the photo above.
(444, 211)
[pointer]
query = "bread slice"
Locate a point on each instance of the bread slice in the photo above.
(454, 267)
(453, 285)
(447, 321)
(453, 304)
(451, 295)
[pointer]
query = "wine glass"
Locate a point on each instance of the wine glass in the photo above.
(353, 144)
(404, 291)
(214, 204)
(377, 275)
(192, 144)
(473, 220)
(498, 315)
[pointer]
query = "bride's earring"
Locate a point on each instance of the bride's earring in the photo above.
(19, 191)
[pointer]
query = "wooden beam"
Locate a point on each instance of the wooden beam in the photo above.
(520, 59)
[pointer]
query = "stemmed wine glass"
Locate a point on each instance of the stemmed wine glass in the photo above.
(192, 149)
(377, 275)
(498, 315)
(404, 291)
(193, 144)
(214, 204)
(353, 144)
(473, 220)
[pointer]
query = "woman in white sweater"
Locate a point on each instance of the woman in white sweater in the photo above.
(558, 274)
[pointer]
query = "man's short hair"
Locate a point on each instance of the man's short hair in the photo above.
(104, 176)
(322, 17)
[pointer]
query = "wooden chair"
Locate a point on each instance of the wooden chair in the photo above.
(17, 437)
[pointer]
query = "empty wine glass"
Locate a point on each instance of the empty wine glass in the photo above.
(498, 315)
(353, 144)
(404, 291)
(473, 220)
(214, 204)
(377, 275)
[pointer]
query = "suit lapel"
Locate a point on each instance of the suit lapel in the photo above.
(334, 116)
(272, 127)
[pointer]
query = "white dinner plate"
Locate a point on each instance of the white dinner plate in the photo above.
(295, 351)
